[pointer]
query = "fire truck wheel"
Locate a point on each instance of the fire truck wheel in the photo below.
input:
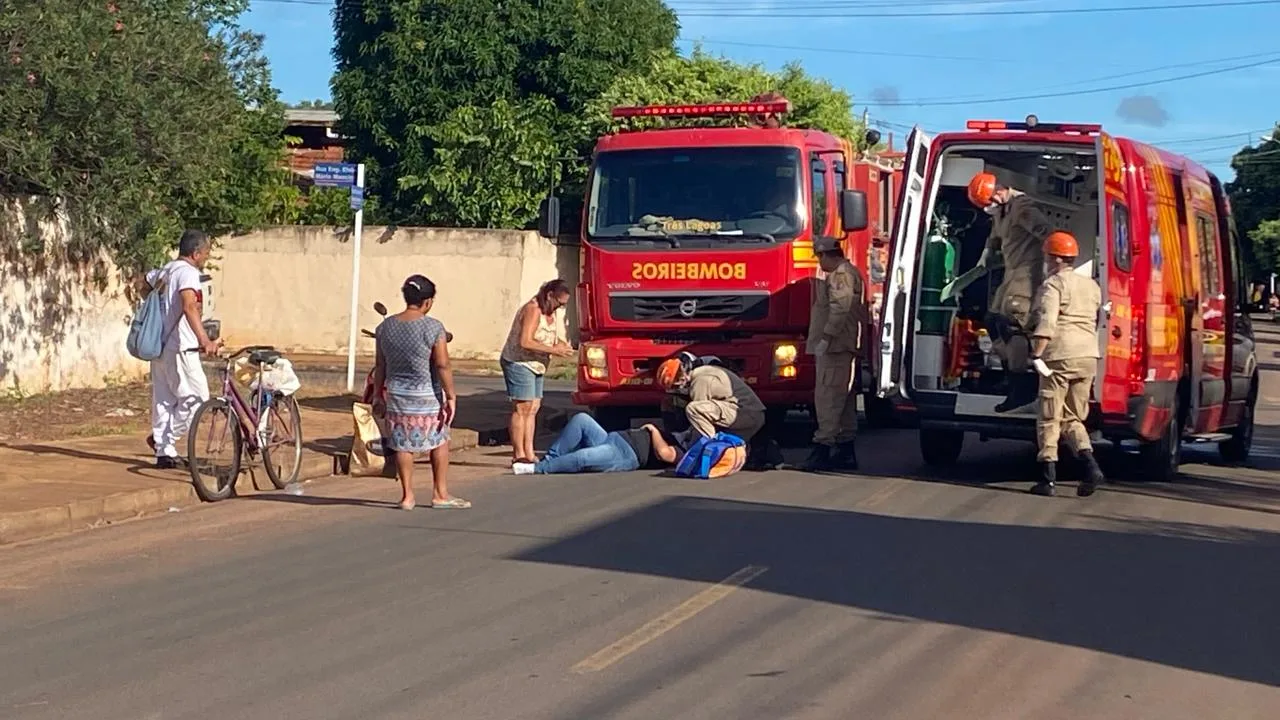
(941, 448)
(1236, 450)
(878, 411)
(612, 419)
(1159, 460)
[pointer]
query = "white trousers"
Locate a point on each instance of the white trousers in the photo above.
(178, 386)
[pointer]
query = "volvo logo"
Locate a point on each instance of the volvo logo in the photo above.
(688, 307)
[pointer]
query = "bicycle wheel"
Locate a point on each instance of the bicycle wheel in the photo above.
(214, 431)
(282, 453)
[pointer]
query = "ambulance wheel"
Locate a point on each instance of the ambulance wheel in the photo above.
(878, 411)
(612, 419)
(941, 448)
(1159, 460)
(1236, 450)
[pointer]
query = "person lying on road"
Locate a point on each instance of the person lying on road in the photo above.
(584, 446)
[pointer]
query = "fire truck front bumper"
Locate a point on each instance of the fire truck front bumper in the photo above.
(619, 372)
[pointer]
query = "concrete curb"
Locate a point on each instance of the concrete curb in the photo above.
(96, 512)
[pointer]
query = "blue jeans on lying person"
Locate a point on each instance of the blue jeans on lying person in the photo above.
(584, 446)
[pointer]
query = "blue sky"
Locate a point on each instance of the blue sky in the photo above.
(953, 65)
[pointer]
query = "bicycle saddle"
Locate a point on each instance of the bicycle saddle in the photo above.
(264, 357)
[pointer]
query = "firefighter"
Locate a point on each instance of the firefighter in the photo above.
(718, 400)
(1064, 352)
(836, 319)
(1018, 231)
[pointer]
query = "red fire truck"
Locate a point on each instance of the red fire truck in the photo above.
(1178, 362)
(700, 239)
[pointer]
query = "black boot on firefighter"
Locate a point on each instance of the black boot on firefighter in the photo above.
(819, 459)
(1048, 476)
(846, 457)
(1093, 475)
(763, 454)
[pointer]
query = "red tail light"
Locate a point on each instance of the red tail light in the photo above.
(1138, 353)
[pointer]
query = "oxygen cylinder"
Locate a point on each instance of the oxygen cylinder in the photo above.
(938, 270)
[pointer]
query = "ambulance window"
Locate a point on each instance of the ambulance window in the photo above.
(1208, 255)
(819, 176)
(1123, 252)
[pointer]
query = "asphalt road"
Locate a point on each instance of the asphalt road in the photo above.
(894, 593)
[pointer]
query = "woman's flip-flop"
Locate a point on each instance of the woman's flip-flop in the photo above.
(454, 503)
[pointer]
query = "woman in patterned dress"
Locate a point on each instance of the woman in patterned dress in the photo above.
(413, 364)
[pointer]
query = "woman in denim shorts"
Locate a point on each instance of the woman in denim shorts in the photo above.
(537, 333)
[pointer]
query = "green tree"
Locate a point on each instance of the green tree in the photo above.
(1255, 197)
(703, 78)
(311, 105)
(138, 118)
(412, 74)
(1265, 239)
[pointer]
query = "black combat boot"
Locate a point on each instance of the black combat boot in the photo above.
(846, 457)
(1093, 475)
(819, 459)
(1048, 476)
(1023, 389)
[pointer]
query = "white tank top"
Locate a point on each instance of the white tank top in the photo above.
(547, 332)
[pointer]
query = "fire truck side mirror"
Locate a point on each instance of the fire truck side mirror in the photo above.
(549, 217)
(853, 210)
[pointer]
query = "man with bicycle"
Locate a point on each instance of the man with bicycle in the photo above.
(178, 382)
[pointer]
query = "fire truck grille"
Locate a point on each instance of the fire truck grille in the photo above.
(677, 308)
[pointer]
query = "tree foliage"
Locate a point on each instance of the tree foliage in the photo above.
(703, 78)
(136, 118)
(1265, 240)
(1255, 198)
(413, 75)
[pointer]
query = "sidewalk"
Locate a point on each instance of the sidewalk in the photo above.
(49, 488)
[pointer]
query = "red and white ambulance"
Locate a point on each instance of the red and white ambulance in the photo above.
(1178, 362)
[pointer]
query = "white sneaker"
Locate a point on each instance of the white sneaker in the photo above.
(522, 468)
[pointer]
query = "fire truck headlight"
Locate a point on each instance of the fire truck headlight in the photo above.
(593, 356)
(596, 373)
(784, 355)
(788, 372)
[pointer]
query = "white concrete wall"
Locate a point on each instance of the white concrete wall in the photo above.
(63, 320)
(291, 286)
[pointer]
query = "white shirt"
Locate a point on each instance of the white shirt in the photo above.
(181, 275)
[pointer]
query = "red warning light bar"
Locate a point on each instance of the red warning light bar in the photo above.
(712, 110)
(1032, 124)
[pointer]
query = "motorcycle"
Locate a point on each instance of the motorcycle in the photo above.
(369, 391)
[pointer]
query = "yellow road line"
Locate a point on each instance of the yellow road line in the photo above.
(669, 620)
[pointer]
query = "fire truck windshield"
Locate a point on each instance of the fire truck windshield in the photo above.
(722, 194)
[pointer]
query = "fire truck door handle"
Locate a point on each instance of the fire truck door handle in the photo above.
(1115, 331)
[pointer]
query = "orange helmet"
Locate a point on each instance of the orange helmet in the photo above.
(668, 372)
(982, 188)
(1061, 243)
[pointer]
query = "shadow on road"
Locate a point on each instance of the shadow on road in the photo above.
(1185, 596)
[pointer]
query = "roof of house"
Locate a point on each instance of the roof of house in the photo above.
(310, 117)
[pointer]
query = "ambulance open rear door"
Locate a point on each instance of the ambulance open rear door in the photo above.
(898, 314)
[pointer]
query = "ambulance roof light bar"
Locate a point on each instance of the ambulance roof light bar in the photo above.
(1033, 123)
(709, 110)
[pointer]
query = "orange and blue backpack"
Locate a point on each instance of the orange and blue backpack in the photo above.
(713, 457)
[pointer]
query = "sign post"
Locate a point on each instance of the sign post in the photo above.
(350, 176)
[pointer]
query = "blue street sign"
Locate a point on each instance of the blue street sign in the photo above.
(335, 174)
(357, 198)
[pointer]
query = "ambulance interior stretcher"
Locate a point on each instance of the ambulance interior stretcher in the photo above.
(951, 345)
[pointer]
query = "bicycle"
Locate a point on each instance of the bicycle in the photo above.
(260, 425)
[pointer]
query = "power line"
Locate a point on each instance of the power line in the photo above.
(835, 51)
(815, 12)
(1115, 76)
(866, 11)
(1250, 134)
(1090, 91)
